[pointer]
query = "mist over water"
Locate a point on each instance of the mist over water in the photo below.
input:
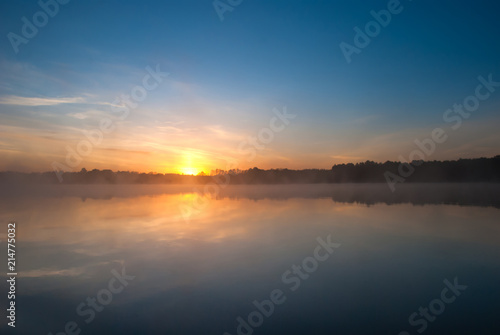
(477, 194)
(198, 276)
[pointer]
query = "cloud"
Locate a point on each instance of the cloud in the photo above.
(221, 133)
(69, 272)
(347, 158)
(52, 273)
(27, 101)
(79, 116)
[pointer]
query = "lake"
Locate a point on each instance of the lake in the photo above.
(275, 259)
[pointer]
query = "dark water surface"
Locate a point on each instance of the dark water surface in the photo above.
(315, 259)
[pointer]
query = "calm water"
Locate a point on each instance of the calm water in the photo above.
(201, 275)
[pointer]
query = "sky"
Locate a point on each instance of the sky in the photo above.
(243, 83)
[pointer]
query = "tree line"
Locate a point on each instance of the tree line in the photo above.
(462, 170)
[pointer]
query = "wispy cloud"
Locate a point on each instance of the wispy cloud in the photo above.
(72, 272)
(69, 272)
(80, 116)
(30, 101)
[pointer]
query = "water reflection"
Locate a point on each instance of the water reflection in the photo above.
(198, 276)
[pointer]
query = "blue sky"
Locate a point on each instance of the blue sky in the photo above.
(225, 78)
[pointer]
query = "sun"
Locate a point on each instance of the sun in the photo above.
(189, 171)
(188, 164)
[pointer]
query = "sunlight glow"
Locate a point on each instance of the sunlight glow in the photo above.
(189, 170)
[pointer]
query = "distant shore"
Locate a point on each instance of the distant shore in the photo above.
(478, 170)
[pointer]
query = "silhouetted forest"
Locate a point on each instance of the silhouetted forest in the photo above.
(462, 170)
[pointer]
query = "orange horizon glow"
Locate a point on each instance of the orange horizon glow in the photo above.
(189, 171)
